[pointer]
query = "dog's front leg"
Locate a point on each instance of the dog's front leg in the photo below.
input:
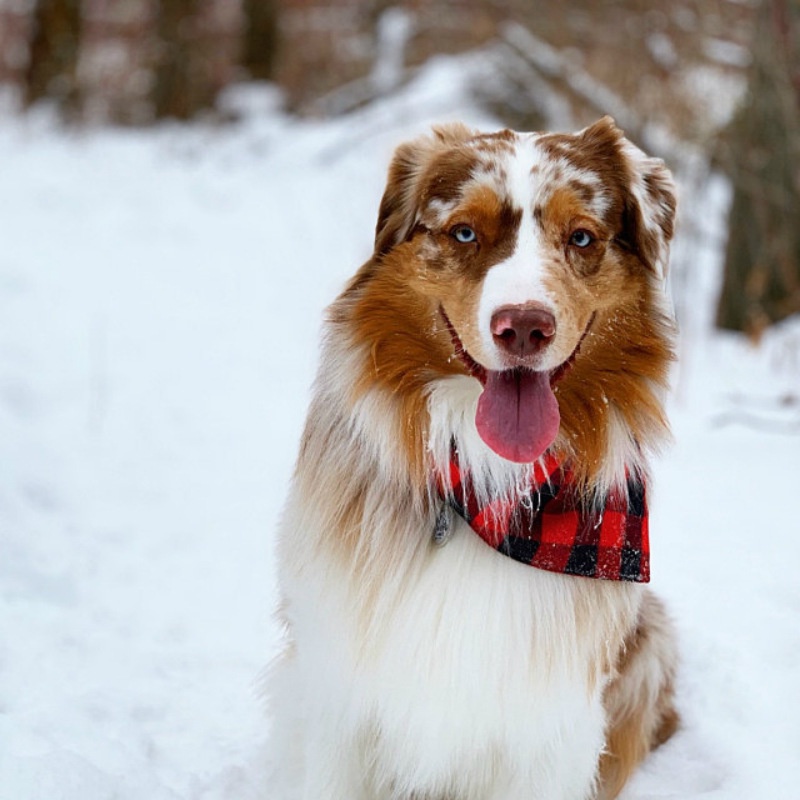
(310, 754)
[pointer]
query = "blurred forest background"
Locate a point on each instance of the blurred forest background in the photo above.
(710, 85)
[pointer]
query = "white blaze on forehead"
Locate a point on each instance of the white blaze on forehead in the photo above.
(518, 279)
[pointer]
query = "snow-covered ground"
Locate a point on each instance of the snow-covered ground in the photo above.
(160, 298)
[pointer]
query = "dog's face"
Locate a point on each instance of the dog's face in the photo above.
(527, 261)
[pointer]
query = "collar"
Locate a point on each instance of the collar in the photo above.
(550, 527)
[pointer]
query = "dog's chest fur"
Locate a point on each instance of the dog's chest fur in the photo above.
(447, 671)
(461, 674)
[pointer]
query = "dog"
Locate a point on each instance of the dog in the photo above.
(463, 552)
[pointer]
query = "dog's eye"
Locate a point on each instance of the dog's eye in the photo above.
(464, 234)
(581, 238)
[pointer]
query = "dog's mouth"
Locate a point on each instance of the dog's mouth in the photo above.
(517, 415)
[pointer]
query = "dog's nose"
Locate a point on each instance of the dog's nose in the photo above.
(523, 330)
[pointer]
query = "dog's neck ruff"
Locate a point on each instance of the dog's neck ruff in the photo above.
(550, 527)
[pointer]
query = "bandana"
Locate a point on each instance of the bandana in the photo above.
(550, 528)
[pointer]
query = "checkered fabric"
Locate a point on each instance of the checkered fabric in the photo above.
(549, 527)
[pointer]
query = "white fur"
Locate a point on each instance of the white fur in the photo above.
(463, 675)
(478, 716)
(498, 710)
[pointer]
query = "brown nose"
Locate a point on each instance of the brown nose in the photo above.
(523, 330)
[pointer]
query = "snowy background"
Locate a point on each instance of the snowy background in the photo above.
(160, 299)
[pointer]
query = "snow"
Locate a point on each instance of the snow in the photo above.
(160, 297)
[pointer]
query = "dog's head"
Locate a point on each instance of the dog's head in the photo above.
(529, 262)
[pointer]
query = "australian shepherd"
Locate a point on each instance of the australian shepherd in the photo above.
(463, 551)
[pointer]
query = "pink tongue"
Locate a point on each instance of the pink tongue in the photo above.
(518, 414)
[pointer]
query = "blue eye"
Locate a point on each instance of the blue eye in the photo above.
(464, 234)
(581, 238)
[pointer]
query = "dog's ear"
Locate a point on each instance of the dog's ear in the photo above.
(649, 197)
(399, 207)
(649, 209)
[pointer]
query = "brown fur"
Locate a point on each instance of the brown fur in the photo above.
(621, 368)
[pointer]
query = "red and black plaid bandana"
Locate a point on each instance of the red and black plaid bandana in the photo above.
(550, 528)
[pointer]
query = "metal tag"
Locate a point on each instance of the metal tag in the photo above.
(443, 528)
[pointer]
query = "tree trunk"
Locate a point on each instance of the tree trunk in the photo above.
(183, 84)
(53, 60)
(260, 38)
(761, 154)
